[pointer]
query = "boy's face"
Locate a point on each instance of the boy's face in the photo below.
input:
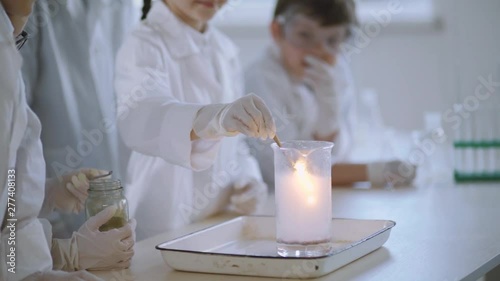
(200, 11)
(301, 36)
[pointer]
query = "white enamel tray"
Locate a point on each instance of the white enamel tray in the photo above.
(246, 246)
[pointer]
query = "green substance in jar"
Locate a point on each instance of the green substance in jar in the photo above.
(117, 221)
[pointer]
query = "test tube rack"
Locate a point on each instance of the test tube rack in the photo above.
(477, 145)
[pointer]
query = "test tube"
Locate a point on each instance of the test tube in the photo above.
(496, 129)
(490, 128)
(458, 151)
(479, 139)
(468, 140)
(438, 160)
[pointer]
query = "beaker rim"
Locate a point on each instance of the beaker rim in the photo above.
(303, 145)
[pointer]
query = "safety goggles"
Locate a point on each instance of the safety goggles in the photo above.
(307, 34)
(21, 39)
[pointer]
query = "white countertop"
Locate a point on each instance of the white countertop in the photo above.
(442, 233)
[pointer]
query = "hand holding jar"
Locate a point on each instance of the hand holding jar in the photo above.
(106, 239)
(92, 249)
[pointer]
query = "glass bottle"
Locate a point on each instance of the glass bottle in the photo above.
(102, 194)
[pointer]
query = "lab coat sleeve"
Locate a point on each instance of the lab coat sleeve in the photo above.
(31, 248)
(150, 120)
(6, 127)
(7, 115)
(32, 251)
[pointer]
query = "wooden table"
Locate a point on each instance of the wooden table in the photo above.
(442, 233)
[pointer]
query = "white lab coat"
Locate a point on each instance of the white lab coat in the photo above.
(21, 150)
(166, 71)
(69, 73)
(295, 107)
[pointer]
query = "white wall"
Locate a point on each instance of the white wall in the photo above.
(416, 67)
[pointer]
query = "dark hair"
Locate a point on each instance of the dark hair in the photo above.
(145, 9)
(327, 12)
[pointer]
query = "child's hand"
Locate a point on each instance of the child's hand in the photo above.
(248, 115)
(320, 77)
(91, 249)
(68, 194)
(392, 173)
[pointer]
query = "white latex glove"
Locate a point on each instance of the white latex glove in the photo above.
(68, 193)
(319, 75)
(248, 197)
(248, 115)
(393, 173)
(94, 250)
(54, 275)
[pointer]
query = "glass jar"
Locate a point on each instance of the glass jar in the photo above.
(102, 194)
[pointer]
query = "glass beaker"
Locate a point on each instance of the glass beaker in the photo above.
(303, 194)
(102, 194)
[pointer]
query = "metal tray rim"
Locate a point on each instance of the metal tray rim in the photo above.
(349, 246)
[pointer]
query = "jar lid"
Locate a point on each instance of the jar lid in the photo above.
(104, 184)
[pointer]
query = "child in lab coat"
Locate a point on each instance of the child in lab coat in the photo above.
(26, 249)
(179, 94)
(68, 71)
(307, 83)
